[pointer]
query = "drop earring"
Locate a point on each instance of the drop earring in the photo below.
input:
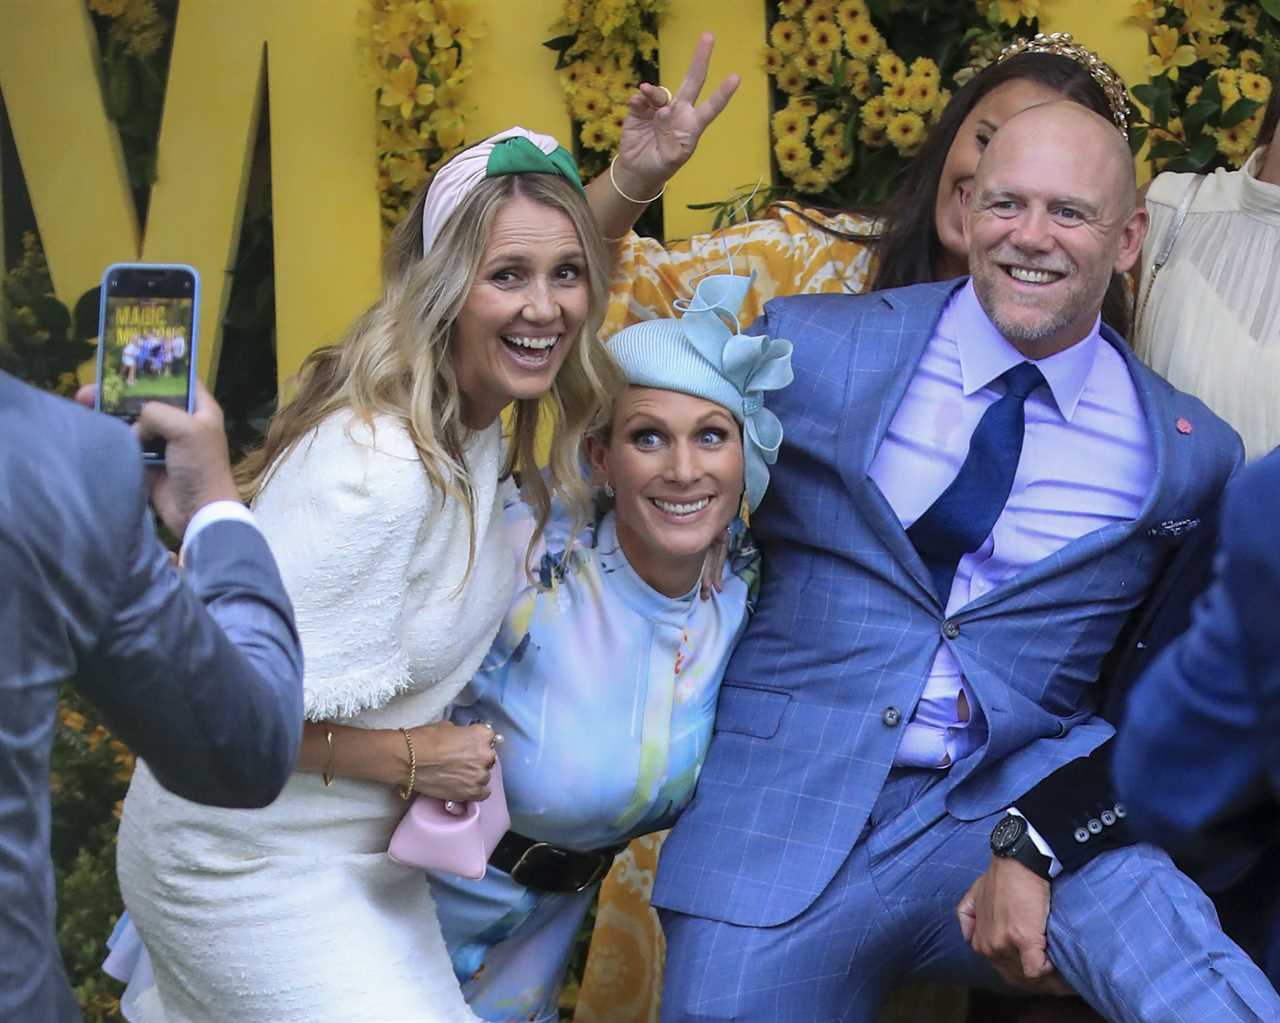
(608, 491)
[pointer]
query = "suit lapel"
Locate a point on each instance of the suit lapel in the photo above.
(887, 345)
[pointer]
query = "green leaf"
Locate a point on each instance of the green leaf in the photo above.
(1239, 111)
(880, 9)
(1202, 151)
(1272, 7)
(1137, 137)
(1167, 149)
(119, 87)
(1212, 92)
(1198, 114)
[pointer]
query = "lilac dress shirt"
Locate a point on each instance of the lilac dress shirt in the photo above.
(1087, 461)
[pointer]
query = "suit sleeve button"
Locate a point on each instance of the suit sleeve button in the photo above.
(950, 629)
(1080, 835)
(891, 716)
(1095, 826)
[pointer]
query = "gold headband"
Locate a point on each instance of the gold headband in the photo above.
(1061, 44)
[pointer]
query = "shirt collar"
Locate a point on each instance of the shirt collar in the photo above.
(985, 353)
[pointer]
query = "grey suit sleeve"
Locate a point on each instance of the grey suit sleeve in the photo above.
(200, 671)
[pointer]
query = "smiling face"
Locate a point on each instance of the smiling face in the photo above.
(524, 311)
(1052, 216)
(675, 464)
(956, 182)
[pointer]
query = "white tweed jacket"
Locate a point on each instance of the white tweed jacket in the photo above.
(373, 559)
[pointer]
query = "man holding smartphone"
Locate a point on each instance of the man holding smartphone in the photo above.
(198, 670)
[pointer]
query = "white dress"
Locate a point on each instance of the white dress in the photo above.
(294, 913)
(1211, 324)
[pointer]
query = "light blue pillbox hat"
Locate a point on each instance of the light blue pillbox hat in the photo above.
(699, 354)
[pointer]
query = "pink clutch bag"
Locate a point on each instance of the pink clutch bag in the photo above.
(430, 837)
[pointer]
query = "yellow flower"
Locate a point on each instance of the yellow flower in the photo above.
(811, 181)
(785, 35)
(790, 80)
(1010, 12)
(73, 719)
(793, 157)
(824, 39)
(790, 125)
(923, 68)
(772, 60)
(806, 106)
(850, 12)
(593, 135)
(1250, 60)
(826, 130)
(1234, 143)
(1193, 95)
(891, 68)
(407, 172)
(922, 93)
(1204, 17)
(906, 131)
(791, 8)
(1147, 13)
(863, 40)
(107, 8)
(402, 88)
(1228, 85)
(876, 112)
(944, 97)
(1169, 54)
(818, 13)
(444, 64)
(815, 66)
(872, 135)
(1248, 20)
(898, 94)
(571, 77)
(861, 83)
(1255, 87)
(836, 161)
(589, 104)
(1208, 49)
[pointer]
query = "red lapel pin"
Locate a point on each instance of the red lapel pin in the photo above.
(1183, 424)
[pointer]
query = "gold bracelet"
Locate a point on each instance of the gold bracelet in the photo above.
(407, 791)
(639, 202)
(327, 775)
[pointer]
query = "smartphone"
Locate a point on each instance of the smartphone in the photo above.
(147, 340)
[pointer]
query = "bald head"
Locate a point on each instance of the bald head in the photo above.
(1052, 216)
(1087, 142)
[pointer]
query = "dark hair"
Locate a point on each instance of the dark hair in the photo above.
(1268, 130)
(908, 250)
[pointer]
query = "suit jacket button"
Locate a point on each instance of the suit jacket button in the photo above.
(1080, 835)
(1095, 826)
(1120, 810)
(891, 717)
(950, 629)
(1108, 818)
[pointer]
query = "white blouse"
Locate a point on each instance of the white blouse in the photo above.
(1211, 324)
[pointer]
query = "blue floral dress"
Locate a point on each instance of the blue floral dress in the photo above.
(605, 691)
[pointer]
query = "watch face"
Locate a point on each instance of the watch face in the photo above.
(1006, 834)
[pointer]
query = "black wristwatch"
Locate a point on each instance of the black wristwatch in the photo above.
(1011, 839)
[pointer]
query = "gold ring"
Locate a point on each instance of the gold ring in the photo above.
(670, 98)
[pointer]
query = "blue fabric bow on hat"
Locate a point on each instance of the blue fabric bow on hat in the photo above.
(753, 365)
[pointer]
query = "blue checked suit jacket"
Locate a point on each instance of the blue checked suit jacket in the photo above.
(835, 658)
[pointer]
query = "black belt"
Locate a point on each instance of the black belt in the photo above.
(550, 868)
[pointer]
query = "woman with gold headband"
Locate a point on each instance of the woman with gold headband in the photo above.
(378, 491)
(916, 237)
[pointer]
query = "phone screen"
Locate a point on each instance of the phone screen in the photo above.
(146, 352)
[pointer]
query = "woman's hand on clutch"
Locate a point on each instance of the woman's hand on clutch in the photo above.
(453, 761)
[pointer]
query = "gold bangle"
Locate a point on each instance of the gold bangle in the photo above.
(407, 791)
(639, 202)
(327, 775)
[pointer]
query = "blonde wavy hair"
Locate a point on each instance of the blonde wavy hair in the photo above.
(395, 361)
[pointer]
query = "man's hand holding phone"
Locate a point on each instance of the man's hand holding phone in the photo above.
(197, 468)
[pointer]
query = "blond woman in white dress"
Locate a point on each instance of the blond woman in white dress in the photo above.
(377, 489)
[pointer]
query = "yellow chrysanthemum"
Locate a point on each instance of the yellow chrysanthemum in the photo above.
(811, 181)
(1255, 87)
(1247, 20)
(923, 68)
(906, 131)
(816, 66)
(1228, 85)
(873, 136)
(806, 106)
(824, 39)
(790, 80)
(1010, 12)
(589, 104)
(772, 60)
(861, 84)
(876, 112)
(891, 68)
(1249, 60)
(785, 35)
(850, 12)
(791, 8)
(789, 125)
(826, 130)
(922, 93)
(836, 163)
(863, 40)
(818, 13)
(944, 97)
(1169, 54)
(793, 157)
(1203, 17)
(1234, 143)
(898, 94)
(593, 135)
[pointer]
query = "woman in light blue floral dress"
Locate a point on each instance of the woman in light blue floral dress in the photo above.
(604, 677)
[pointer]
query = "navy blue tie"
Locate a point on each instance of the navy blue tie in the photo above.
(965, 513)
